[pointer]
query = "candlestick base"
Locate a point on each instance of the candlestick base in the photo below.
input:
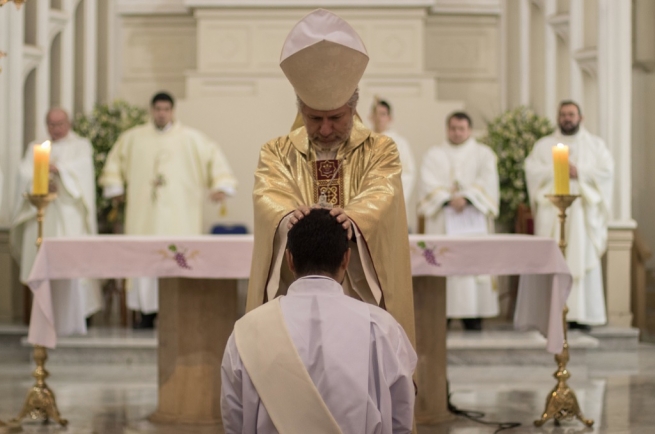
(40, 403)
(562, 404)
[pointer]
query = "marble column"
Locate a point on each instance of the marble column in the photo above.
(615, 113)
(15, 72)
(524, 49)
(90, 55)
(615, 97)
(576, 43)
(42, 69)
(67, 85)
(4, 121)
(550, 62)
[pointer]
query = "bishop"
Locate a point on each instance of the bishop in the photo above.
(332, 157)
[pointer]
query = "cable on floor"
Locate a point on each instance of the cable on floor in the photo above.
(477, 416)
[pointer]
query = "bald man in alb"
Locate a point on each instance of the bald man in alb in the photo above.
(71, 214)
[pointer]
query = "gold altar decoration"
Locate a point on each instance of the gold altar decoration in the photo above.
(562, 403)
(18, 3)
(40, 403)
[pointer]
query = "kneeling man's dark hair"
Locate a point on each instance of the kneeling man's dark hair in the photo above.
(317, 243)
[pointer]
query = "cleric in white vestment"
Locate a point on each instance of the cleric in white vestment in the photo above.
(165, 171)
(459, 196)
(71, 214)
(382, 119)
(592, 177)
(317, 360)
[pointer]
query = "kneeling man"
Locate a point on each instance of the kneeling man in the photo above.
(317, 360)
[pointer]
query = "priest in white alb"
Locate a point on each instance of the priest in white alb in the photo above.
(71, 214)
(591, 170)
(331, 160)
(382, 119)
(164, 171)
(316, 360)
(459, 196)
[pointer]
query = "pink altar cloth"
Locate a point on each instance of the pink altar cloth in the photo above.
(229, 257)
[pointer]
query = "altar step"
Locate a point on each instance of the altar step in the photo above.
(100, 345)
(11, 348)
(502, 346)
(512, 348)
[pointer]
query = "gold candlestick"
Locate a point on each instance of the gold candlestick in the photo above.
(40, 202)
(40, 403)
(562, 403)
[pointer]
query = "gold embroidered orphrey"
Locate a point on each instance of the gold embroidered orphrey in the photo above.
(327, 192)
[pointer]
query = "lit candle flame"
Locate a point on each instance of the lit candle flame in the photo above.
(46, 144)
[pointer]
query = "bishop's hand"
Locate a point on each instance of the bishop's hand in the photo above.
(297, 215)
(342, 217)
(338, 213)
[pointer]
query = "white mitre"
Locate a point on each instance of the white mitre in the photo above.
(324, 58)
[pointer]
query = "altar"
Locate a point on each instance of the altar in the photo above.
(201, 272)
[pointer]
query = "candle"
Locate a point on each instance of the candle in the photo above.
(41, 168)
(561, 168)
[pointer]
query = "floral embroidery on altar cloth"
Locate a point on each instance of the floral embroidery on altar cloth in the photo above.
(181, 257)
(429, 253)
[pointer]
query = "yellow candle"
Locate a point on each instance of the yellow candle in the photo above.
(41, 168)
(561, 168)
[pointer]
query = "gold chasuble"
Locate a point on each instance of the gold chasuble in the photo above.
(364, 180)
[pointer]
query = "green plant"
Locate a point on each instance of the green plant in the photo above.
(102, 127)
(512, 136)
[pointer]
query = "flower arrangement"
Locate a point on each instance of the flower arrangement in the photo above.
(512, 136)
(102, 127)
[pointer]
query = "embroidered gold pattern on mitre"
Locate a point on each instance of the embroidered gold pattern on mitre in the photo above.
(328, 181)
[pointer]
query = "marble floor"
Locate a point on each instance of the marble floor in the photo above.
(615, 388)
